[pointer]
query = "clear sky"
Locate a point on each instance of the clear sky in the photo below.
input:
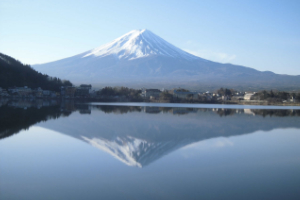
(264, 35)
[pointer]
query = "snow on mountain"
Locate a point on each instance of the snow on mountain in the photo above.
(142, 59)
(138, 44)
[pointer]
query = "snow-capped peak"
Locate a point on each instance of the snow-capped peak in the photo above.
(138, 44)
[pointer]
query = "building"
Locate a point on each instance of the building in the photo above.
(237, 97)
(85, 86)
(53, 94)
(248, 95)
(20, 91)
(292, 99)
(184, 95)
(83, 90)
(24, 89)
(3, 93)
(38, 92)
(225, 97)
(205, 96)
(150, 93)
(46, 92)
(68, 92)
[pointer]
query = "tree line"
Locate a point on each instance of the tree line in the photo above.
(14, 73)
(275, 96)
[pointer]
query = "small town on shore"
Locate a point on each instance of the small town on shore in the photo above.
(178, 95)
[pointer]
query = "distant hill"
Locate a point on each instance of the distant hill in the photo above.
(14, 73)
(142, 59)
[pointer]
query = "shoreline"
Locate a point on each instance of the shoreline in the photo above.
(194, 105)
(114, 101)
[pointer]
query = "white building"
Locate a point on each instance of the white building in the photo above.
(248, 96)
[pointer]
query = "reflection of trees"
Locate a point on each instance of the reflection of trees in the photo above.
(226, 112)
(166, 109)
(279, 113)
(182, 111)
(119, 109)
(261, 112)
(152, 110)
(13, 120)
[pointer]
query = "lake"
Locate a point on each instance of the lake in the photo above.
(52, 150)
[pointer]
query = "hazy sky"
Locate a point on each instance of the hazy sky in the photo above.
(264, 35)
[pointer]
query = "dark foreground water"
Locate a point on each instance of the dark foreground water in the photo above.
(76, 151)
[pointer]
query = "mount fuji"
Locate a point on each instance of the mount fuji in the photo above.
(142, 59)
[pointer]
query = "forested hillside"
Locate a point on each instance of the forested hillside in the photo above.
(14, 73)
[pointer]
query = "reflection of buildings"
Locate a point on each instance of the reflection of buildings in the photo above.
(184, 95)
(150, 93)
(181, 111)
(175, 111)
(83, 108)
(249, 112)
(37, 103)
(3, 101)
(153, 110)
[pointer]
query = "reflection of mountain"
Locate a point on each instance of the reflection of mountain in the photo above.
(13, 120)
(20, 114)
(133, 151)
(138, 138)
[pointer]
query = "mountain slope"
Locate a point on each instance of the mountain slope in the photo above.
(14, 73)
(141, 58)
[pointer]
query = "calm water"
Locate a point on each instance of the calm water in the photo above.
(78, 151)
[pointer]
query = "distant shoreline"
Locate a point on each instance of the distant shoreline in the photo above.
(115, 102)
(196, 105)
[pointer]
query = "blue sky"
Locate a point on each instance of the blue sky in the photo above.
(264, 35)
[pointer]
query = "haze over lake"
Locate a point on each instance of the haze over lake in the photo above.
(96, 151)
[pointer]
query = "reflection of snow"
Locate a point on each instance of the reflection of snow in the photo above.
(122, 149)
(133, 151)
(249, 112)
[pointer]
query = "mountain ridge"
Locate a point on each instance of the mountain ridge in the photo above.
(141, 58)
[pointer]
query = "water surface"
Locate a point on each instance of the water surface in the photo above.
(81, 151)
